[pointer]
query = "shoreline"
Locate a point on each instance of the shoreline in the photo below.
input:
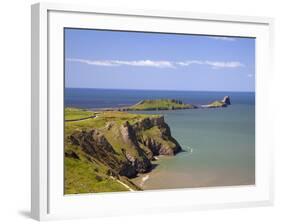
(142, 178)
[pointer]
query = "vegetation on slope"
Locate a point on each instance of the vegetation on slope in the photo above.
(82, 176)
(160, 104)
(216, 104)
(76, 114)
(112, 146)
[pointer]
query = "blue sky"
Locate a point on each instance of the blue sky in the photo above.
(136, 60)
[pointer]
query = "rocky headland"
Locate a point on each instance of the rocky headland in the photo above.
(219, 103)
(114, 145)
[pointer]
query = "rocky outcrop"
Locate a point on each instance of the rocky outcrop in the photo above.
(159, 141)
(140, 161)
(95, 145)
(149, 122)
(219, 103)
(226, 100)
(71, 154)
(141, 141)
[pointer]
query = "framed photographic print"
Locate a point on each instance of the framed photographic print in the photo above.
(138, 111)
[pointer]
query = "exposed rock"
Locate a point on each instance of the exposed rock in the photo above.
(149, 122)
(96, 145)
(142, 141)
(127, 170)
(159, 147)
(140, 161)
(160, 144)
(226, 100)
(109, 125)
(219, 103)
(71, 154)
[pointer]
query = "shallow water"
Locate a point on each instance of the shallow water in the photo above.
(219, 149)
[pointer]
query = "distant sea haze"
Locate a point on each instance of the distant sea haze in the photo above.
(218, 144)
(104, 98)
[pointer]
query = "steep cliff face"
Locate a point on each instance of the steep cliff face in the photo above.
(226, 100)
(155, 134)
(126, 148)
(96, 146)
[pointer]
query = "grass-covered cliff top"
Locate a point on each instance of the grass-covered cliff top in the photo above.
(160, 104)
(107, 122)
(99, 120)
(75, 113)
(98, 144)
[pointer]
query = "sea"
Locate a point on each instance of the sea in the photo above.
(218, 144)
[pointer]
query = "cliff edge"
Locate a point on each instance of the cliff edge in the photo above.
(115, 144)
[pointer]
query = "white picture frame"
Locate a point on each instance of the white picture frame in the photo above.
(48, 201)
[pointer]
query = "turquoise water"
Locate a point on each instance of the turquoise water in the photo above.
(219, 144)
(219, 149)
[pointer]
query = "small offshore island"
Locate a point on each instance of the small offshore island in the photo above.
(169, 104)
(104, 149)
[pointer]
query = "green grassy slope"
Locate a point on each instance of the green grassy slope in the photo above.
(91, 171)
(160, 104)
(74, 113)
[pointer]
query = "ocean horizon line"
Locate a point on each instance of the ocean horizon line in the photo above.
(170, 90)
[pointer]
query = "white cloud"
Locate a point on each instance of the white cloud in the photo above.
(146, 63)
(159, 64)
(143, 63)
(89, 62)
(228, 64)
(222, 38)
(188, 63)
(213, 64)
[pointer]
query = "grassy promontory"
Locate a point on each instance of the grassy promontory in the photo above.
(168, 104)
(159, 104)
(219, 103)
(104, 149)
